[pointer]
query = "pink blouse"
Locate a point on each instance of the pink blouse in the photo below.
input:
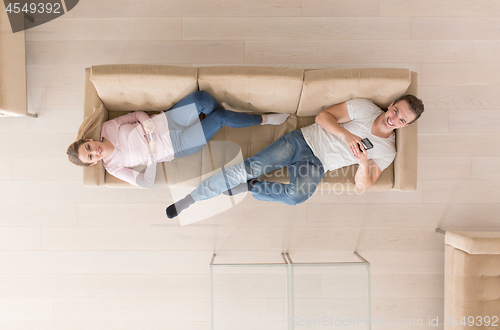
(132, 149)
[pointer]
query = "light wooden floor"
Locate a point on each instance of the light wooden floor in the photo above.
(78, 258)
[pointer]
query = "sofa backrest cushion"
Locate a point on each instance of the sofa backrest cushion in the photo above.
(324, 88)
(253, 89)
(143, 87)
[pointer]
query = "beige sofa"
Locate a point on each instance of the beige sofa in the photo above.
(12, 70)
(302, 93)
(472, 280)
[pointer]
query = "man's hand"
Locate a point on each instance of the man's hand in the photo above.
(354, 143)
(362, 156)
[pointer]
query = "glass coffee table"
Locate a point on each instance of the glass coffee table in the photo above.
(290, 295)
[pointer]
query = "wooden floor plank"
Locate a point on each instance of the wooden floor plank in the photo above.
(45, 285)
(449, 168)
(486, 50)
(349, 51)
(434, 121)
(477, 121)
(484, 168)
(130, 309)
(471, 192)
(26, 309)
(460, 97)
(334, 8)
(116, 325)
(28, 214)
(305, 28)
(148, 238)
(461, 74)
(158, 52)
(439, 8)
(454, 28)
(470, 144)
(187, 8)
(6, 168)
(107, 29)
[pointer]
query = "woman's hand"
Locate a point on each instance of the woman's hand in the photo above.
(152, 145)
(149, 127)
(354, 143)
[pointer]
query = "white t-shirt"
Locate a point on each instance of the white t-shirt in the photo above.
(332, 150)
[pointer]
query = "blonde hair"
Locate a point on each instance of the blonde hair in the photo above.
(85, 132)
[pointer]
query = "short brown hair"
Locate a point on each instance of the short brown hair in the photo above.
(416, 105)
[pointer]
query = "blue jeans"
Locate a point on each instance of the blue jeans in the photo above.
(189, 135)
(304, 169)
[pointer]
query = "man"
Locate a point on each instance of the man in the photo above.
(334, 141)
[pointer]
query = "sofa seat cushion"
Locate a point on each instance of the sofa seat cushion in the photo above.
(190, 171)
(253, 139)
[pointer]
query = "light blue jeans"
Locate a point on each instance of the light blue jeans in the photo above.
(188, 134)
(304, 169)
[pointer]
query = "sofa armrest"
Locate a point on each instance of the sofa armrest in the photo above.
(405, 163)
(474, 242)
(93, 176)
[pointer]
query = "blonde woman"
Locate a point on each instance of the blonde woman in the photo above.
(137, 139)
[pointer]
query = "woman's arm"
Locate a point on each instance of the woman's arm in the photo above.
(144, 179)
(136, 117)
(147, 178)
(132, 117)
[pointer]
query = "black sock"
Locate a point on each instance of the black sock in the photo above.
(174, 209)
(251, 182)
(244, 187)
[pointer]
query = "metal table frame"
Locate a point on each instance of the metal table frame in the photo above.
(289, 267)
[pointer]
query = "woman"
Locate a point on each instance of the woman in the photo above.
(136, 139)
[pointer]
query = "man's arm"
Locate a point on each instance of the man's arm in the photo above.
(329, 119)
(368, 172)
